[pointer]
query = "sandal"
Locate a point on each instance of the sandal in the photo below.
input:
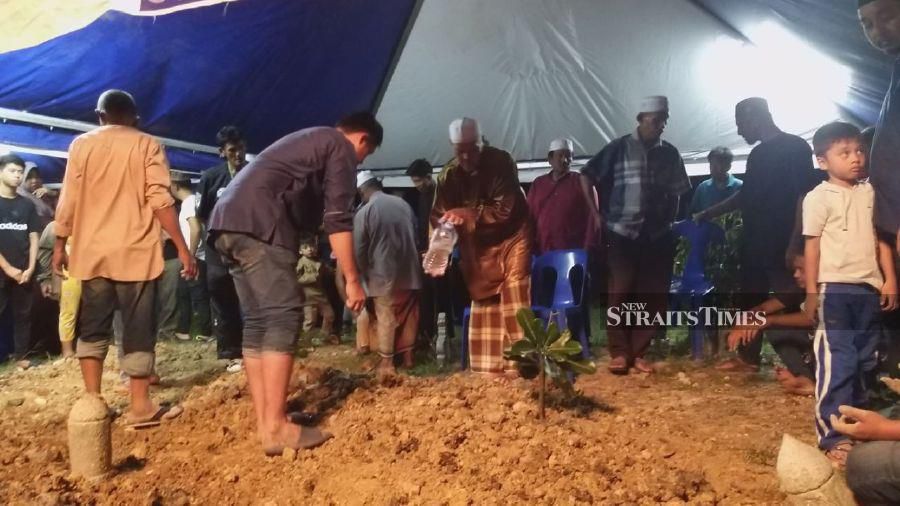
(309, 438)
(837, 454)
(163, 413)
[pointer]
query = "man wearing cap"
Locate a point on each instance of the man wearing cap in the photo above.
(563, 204)
(639, 202)
(384, 239)
(478, 191)
(779, 173)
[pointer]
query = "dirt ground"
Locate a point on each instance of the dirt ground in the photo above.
(698, 437)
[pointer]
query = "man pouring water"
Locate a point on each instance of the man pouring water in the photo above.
(478, 193)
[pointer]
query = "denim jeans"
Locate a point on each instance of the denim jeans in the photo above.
(271, 299)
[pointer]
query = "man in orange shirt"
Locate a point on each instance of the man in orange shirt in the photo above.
(115, 196)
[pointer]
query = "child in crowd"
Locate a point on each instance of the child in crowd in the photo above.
(788, 329)
(850, 279)
(310, 273)
(721, 183)
(65, 289)
(19, 231)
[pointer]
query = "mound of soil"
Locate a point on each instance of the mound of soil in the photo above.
(454, 440)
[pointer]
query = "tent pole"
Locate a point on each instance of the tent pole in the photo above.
(81, 126)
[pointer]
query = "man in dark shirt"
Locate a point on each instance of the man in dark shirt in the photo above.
(779, 173)
(224, 302)
(435, 294)
(19, 231)
(294, 185)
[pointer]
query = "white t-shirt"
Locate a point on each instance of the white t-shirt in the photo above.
(189, 210)
(843, 218)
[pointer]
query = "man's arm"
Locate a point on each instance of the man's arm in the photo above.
(724, 207)
(33, 238)
(156, 192)
(45, 255)
(889, 289)
(340, 190)
(195, 229)
(594, 232)
(13, 272)
(812, 251)
(342, 246)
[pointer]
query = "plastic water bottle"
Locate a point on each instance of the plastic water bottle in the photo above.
(438, 256)
(441, 344)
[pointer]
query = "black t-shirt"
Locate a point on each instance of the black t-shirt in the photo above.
(779, 173)
(18, 218)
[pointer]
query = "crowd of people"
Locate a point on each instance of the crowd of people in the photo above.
(260, 253)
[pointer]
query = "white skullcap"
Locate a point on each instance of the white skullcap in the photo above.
(464, 130)
(364, 177)
(657, 103)
(561, 144)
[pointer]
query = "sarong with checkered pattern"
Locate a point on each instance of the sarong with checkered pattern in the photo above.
(493, 326)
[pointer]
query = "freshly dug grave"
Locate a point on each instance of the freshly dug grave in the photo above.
(691, 438)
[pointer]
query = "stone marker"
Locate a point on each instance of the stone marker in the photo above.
(807, 477)
(90, 445)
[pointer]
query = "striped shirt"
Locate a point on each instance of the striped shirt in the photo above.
(629, 190)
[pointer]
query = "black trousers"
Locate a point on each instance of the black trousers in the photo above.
(226, 308)
(21, 298)
(193, 304)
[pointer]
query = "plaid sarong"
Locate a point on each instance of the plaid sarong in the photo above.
(493, 326)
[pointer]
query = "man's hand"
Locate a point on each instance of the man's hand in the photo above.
(460, 216)
(60, 260)
(40, 192)
(356, 296)
(862, 424)
(742, 336)
(13, 272)
(25, 277)
(700, 216)
(889, 295)
(188, 264)
(811, 306)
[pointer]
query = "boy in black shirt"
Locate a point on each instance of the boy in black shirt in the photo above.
(19, 232)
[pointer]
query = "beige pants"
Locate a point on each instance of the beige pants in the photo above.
(389, 324)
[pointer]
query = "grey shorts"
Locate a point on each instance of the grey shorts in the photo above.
(100, 297)
(271, 298)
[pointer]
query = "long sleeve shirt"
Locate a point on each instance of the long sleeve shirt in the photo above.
(116, 178)
(291, 187)
(384, 240)
(494, 193)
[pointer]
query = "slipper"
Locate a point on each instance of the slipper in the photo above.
(310, 437)
(164, 413)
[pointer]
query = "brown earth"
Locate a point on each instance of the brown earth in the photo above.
(693, 438)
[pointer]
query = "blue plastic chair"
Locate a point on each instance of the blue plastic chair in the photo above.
(564, 296)
(692, 287)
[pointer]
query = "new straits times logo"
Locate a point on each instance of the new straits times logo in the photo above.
(636, 314)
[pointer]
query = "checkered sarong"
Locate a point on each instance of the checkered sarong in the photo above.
(493, 326)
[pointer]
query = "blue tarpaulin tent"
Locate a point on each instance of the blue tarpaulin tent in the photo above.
(529, 70)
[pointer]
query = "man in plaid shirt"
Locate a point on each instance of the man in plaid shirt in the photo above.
(640, 179)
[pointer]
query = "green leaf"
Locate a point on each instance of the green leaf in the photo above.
(553, 334)
(522, 347)
(581, 366)
(531, 326)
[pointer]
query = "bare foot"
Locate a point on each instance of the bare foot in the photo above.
(802, 386)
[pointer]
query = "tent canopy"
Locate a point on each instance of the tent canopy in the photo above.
(529, 70)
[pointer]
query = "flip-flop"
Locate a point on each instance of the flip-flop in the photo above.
(164, 413)
(309, 438)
